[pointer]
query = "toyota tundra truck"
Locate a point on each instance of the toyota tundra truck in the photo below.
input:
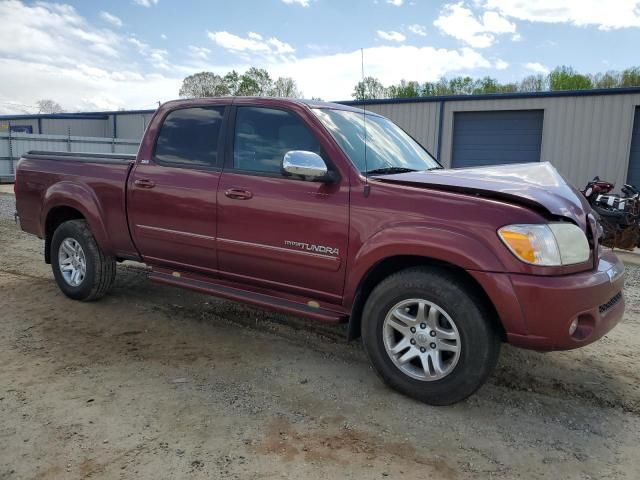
(335, 214)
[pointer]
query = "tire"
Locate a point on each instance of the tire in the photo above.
(99, 269)
(460, 318)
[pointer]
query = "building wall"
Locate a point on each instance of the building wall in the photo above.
(130, 125)
(77, 127)
(582, 136)
(33, 122)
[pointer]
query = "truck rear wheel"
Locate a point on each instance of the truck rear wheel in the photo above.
(429, 336)
(81, 269)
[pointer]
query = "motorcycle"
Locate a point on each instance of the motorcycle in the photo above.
(619, 215)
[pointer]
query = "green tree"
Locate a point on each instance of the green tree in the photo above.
(630, 77)
(232, 80)
(439, 88)
(368, 89)
(404, 90)
(255, 81)
(567, 78)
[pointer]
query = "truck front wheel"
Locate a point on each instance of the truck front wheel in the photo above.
(429, 335)
(81, 269)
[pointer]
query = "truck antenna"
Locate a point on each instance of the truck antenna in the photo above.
(364, 123)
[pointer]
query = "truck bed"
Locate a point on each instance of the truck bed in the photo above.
(98, 182)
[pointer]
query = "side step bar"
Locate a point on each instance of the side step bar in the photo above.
(253, 298)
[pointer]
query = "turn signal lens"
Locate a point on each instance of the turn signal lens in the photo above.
(520, 244)
(547, 245)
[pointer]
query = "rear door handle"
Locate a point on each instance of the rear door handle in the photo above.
(144, 183)
(238, 194)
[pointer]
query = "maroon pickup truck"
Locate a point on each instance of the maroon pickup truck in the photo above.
(321, 211)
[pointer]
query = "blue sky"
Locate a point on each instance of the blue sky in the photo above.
(96, 55)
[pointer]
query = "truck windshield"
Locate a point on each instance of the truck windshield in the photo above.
(388, 149)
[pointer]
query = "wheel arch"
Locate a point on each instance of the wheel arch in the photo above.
(56, 217)
(70, 201)
(394, 264)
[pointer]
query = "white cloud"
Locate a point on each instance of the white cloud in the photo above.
(253, 43)
(391, 36)
(163, 36)
(200, 53)
(418, 29)
(460, 22)
(501, 65)
(112, 19)
(146, 3)
(395, 3)
(333, 76)
(604, 14)
(50, 51)
(536, 67)
(302, 3)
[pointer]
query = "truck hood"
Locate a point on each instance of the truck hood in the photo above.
(537, 185)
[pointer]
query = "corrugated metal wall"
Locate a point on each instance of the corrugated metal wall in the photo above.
(10, 152)
(132, 125)
(582, 136)
(77, 127)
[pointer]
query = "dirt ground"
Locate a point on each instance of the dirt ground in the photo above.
(155, 382)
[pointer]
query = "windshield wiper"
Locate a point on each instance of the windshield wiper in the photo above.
(390, 170)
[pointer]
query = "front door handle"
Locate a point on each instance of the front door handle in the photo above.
(144, 183)
(238, 194)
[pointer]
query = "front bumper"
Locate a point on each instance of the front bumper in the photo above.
(541, 309)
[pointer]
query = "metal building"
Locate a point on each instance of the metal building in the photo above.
(128, 124)
(583, 133)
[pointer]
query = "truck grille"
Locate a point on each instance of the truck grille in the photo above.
(613, 301)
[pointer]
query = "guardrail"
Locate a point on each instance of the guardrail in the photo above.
(13, 145)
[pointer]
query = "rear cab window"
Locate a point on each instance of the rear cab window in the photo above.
(190, 138)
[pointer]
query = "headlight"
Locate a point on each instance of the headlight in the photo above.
(553, 244)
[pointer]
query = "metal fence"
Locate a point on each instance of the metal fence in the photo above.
(14, 145)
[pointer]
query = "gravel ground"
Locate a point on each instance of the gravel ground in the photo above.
(156, 382)
(7, 206)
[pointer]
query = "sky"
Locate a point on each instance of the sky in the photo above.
(132, 54)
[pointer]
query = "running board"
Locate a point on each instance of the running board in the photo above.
(254, 298)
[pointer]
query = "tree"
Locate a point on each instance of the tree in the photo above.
(48, 106)
(533, 83)
(285, 87)
(566, 78)
(368, 89)
(255, 81)
(630, 77)
(204, 84)
(404, 90)
(232, 80)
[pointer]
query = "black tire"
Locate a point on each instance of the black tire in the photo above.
(100, 268)
(479, 338)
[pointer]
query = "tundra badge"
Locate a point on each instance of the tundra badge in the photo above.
(311, 248)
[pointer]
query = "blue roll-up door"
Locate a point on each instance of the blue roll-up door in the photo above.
(496, 137)
(633, 172)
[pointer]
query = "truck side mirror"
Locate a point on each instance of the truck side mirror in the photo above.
(309, 165)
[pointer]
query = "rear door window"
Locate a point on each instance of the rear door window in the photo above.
(190, 137)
